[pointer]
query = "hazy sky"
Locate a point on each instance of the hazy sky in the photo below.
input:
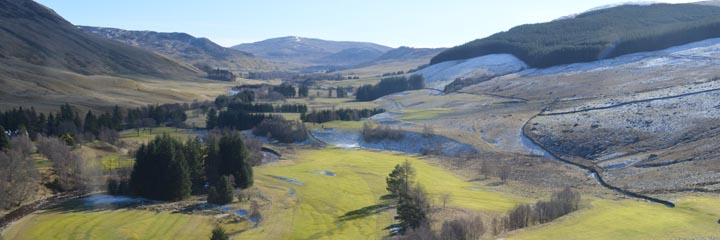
(416, 23)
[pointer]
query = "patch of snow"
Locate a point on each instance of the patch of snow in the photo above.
(412, 143)
(441, 74)
(706, 52)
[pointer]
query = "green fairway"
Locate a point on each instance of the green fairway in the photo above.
(114, 161)
(319, 200)
(693, 218)
(117, 224)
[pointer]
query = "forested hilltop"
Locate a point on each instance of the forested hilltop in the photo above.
(597, 35)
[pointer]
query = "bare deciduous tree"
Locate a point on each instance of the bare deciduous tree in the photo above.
(18, 177)
(109, 136)
(66, 164)
(463, 229)
(445, 198)
(504, 172)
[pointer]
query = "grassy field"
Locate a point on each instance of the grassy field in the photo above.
(147, 135)
(319, 201)
(117, 224)
(421, 114)
(693, 218)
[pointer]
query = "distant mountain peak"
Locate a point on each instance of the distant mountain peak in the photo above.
(299, 52)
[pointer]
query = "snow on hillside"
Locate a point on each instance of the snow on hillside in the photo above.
(702, 52)
(441, 74)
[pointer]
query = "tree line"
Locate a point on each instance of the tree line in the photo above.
(268, 107)
(342, 114)
(388, 86)
(68, 121)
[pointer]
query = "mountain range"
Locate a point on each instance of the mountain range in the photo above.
(200, 52)
(297, 52)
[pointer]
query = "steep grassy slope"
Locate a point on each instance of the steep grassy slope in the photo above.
(597, 35)
(46, 61)
(182, 46)
(32, 33)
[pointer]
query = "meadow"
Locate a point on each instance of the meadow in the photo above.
(692, 218)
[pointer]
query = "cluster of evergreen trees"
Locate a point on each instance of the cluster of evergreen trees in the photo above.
(68, 121)
(268, 107)
(169, 169)
(235, 119)
(342, 114)
(285, 89)
(597, 35)
(293, 76)
(388, 86)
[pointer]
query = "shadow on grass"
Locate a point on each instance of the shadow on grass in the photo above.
(99, 202)
(365, 212)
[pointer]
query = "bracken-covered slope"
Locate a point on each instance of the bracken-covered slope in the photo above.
(596, 35)
(183, 46)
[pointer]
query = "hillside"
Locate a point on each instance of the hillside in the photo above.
(304, 52)
(398, 59)
(32, 33)
(596, 35)
(46, 61)
(182, 46)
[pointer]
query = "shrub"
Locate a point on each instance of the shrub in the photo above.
(282, 130)
(378, 133)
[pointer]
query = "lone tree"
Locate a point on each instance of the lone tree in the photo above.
(400, 178)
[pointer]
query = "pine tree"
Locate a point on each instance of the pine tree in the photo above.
(117, 118)
(4, 140)
(212, 119)
(303, 91)
(194, 155)
(91, 124)
(234, 160)
(219, 234)
(222, 192)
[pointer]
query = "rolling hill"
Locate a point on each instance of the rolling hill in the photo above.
(297, 52)
(182, 46)
(596, 35)
(398, 59)
(46, 61)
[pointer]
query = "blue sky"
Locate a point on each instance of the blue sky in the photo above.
(418, 23)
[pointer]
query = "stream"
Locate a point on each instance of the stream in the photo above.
(534, 146)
